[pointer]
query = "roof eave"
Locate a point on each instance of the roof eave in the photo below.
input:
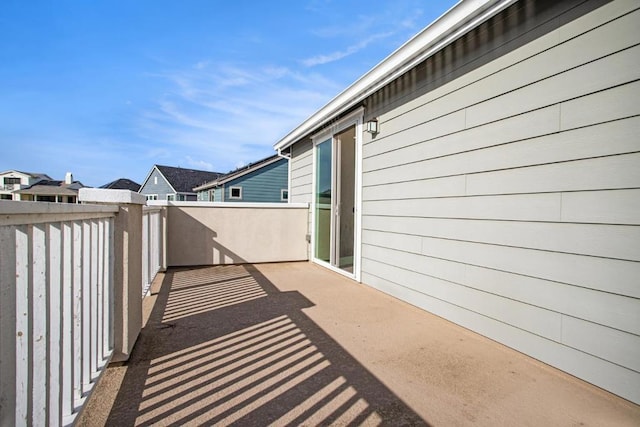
(461, 18)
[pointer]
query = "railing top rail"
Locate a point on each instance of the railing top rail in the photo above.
(18, 212)
(229, 205)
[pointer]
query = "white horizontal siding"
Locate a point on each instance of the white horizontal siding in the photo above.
(610, 138)
(301, 173)
(591, 77)
(612, 207)
(508, 200)
(601, 240)
(604, 308)
(301, 164)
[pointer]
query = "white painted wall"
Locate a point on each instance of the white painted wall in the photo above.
(201, 233)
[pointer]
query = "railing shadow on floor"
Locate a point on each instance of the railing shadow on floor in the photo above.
(224, 346)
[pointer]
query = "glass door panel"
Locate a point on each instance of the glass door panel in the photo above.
(345, 170)
(324, 201)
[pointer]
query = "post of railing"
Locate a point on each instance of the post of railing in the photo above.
(128, 265)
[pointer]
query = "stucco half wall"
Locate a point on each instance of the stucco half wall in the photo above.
(219, 233)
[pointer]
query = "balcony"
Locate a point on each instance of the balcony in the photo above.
(107, 321)
(11, 187)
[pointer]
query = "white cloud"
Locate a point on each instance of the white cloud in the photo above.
(199, 164)
(231, 114)
(334, 56)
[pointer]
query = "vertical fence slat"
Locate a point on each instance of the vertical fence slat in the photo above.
(157, 230)
(55, 255)
(86, 307)
(8, 270)
(66, 395)
(39, 324)
(145, 251)
(76, 358)
(152, 255)
(22, 330)
(93, 306)
(100, 297)
(108, 294)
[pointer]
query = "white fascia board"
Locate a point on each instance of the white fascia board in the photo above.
(460, 19)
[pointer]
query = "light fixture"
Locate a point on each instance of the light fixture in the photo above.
(371, 126)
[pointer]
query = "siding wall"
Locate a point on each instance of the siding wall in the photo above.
(301, 172)
(508, 200)
(162, 188)
(302, 176)
(262, 185)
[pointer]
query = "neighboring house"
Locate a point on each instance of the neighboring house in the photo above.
(12, 180)
(170, 183)
(122, 184)
(261, 181)
(48, 190)
(488, 171)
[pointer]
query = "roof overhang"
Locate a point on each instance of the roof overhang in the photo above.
(457, 21)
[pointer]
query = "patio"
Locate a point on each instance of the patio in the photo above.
(295, 344)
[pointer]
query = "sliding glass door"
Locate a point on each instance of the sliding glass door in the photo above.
(335, 199)
(323, 200)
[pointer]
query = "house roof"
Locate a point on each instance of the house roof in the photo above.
(184, 180)
(239, 172)
(457, 21)
(31, 174)
(122, 184)
(52, 188)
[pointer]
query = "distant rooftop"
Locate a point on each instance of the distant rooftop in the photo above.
(31, 174)
(122, 184)
(48, 187)
(184, 180)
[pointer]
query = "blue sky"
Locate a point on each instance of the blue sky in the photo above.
(106, 89)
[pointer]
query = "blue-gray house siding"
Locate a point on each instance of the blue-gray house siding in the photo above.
(157, 185)
(262, 185)
(175, 183)
(265, 181)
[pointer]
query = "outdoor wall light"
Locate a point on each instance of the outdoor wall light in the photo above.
(371, 126)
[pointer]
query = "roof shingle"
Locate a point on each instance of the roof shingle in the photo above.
(185, 180)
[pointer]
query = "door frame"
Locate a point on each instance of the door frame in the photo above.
(354, 118)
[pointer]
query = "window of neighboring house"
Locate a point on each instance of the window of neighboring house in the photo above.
(235, 192)
(155, 180)
(152, 197)
(6, 197)
(211, 195)
(284, 195)
(171, 197)
(8, 181)
(181, 198)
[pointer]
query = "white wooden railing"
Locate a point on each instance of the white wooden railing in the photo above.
(56, 308)
(152, 245)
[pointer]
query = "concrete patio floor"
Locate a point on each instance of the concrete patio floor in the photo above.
(296, 344)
